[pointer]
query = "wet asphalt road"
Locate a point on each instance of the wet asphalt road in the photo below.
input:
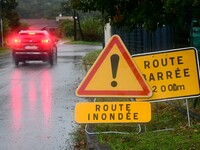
(37, 101)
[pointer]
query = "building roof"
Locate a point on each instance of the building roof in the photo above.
(40, 23)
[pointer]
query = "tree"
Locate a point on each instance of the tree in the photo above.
(66, 8)
(149, 13)
(9, 15)
(39, 8)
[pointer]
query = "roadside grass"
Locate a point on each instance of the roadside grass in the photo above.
(89, 59)
(71, 41)
(167, 130)
(85, 42)
(78, 138)
(3, 50)
(168, 140)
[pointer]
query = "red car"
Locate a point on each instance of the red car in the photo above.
(34, 45)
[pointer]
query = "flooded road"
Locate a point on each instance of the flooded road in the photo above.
(37, 101)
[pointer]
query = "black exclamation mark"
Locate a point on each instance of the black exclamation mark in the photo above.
(114, 65)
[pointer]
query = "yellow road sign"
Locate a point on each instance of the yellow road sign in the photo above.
(114, 74)
(171, 74)
(113, 112)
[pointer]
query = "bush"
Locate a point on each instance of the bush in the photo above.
(67, 28)
(89, 59)
(92, 29)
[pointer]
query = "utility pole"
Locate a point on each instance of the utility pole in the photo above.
(75, 28)
(1, 24)
(79, 26)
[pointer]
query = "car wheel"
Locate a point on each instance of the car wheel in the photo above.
(51, 60)
(16, 62)
(53, 57)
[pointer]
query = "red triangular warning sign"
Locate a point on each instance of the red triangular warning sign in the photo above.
(114, 74)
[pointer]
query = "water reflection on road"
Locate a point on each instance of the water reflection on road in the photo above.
(37, 102)
(16, 101)
(39, 93)
(46, 96)
(31, 106)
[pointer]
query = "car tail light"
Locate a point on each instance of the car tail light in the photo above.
(16, 41)
(31, 33)
(45, 41)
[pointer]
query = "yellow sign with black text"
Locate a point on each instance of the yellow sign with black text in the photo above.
(171, 74)
(113, 112)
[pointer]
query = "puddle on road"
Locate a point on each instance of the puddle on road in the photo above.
(69, 59)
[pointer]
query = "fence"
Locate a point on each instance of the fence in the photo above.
(140, 41)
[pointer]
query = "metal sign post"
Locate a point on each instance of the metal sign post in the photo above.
(2, 43)
(1, 24)
(188, 113)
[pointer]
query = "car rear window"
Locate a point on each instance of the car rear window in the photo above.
(35, 37)
(31, 34)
